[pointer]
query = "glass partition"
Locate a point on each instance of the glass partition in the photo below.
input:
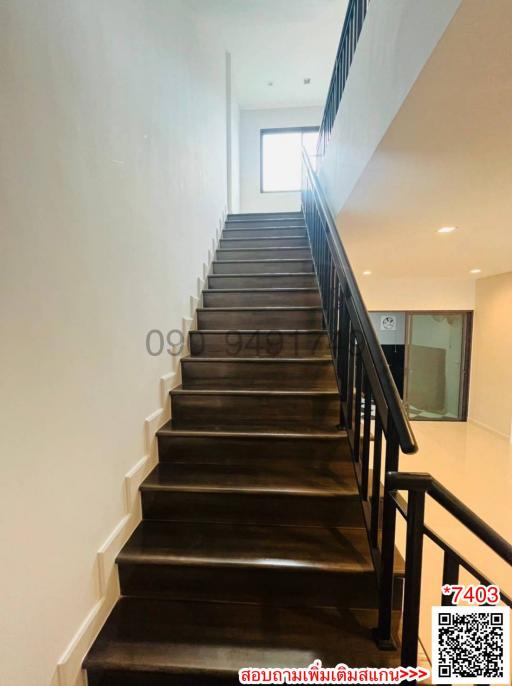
(435, 366)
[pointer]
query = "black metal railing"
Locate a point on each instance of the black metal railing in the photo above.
(417, 487)
(354, 19)
(365, 384)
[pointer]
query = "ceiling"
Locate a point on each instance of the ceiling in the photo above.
(444, 161)
(278, 41)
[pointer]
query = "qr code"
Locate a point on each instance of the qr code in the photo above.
(471, 645)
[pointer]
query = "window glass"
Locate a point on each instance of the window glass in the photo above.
(281, 158)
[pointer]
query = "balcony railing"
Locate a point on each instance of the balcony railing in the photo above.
(354, 19)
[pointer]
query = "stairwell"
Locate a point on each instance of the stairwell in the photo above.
(252, 550)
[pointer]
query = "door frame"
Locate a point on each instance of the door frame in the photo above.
(465, 374)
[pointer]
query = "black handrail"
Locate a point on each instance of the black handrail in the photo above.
(364, 327)
(362, 373)
(354, 19)
(413, 481)
(418, 486)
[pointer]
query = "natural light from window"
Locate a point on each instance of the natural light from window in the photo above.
(281, 158)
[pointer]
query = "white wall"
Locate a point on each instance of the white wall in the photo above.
(396, 40)
(490, 399)
(382, 294)
(235, 156)
(112, 183)
(251, 123)
(232, 140)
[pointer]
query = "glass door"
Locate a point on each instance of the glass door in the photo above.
(436, 365)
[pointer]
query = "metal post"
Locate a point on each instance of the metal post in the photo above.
(412, 590)
(450, 575)
(386, 581)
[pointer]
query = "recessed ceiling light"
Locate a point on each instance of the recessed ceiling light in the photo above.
(447, 229)
(367, 272)
(270, 83)
(475, 271)
(307, 81)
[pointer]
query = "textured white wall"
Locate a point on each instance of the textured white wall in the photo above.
(251, 123)
(112, 183)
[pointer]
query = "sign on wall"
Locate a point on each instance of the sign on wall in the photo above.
(388, 322)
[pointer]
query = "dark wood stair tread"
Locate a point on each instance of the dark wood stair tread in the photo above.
(202, 638)
(267, 260)
(259, 360)
(213, 430)
(333, 549)
(293, 479)
(263, 237)
(261, 308)
(258, 392)
(310, 332)
(272, 274)
(297, 289)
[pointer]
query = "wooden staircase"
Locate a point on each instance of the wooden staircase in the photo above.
(252, 550)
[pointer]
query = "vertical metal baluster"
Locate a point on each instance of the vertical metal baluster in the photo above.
(375, 500)
(365, 458)
(336, 311)
(333, 305)
(350, 379)
(350, 30)
(339, 77)
(357, 416)
(412, 590)
(344, 351)
(331, 298)
(326, 258)
(384, 638)
(450, 575)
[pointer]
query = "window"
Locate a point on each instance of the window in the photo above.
(281, 157)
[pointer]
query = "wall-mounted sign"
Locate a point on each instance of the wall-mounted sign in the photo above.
(388, 322)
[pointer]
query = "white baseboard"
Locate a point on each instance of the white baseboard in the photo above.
(490, 428)
(69, 666)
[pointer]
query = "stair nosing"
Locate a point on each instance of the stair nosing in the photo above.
(224, 331)
(261, 238)
(285, 289)
(277, 247)
(240, 490)
(334, 435)
(289, 564)
(264, 259)
(286, 231)
(179, 390)
(257, 360)
(278, 274)
(182, 561)
(263, 308)
(267, 223)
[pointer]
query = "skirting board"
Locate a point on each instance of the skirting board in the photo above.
(69, 666)
(507, 437)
